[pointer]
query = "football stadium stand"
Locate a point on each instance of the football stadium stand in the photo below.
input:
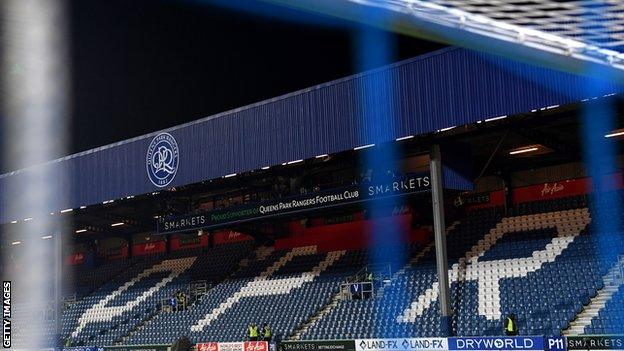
(610, 318)
(134, 297)
(538, 262)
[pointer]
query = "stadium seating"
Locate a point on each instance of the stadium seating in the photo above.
(131, 299)
(88, 279)
(540, 262)
(607, 311)
(610, 319)
(283, 289)
(371, 318)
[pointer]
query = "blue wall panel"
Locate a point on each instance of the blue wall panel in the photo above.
(457, 171)
(446, 88)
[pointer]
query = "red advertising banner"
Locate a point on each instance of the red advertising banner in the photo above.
(256, 346)
(75, 259)
(229, 236)
(551, 190)
(351, 235)
(546, 191)
(233, 346)
(208, 346)
(564, 188)
(149, 248)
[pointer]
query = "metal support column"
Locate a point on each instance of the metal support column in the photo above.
(437, 196)
(58, 285)
(508, 191)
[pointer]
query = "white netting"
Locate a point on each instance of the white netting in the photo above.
(567, 34)
(591, 30)
(594, 22)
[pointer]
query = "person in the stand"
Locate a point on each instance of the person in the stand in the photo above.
(266, 332)
(183, 300)
(253, 332)
(174, 303)
(511, 327)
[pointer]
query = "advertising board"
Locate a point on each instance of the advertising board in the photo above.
(497, 343)
(207, 346)
(401, 344)
(325, 345)
(595, 342)
(233, 346)
(294, 204)
(255, 346)
(138, 348)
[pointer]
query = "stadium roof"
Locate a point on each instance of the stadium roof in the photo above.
(446, 88)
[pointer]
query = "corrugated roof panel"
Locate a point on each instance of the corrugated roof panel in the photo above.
(446, 88)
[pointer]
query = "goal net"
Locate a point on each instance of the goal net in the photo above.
(568, 34)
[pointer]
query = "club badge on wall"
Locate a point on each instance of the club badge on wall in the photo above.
(162, 160)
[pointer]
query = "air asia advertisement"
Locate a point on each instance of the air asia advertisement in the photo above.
(149, 248)
(233, 346)
(294, 204)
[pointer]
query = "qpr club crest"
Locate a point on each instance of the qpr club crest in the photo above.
(162, 159)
